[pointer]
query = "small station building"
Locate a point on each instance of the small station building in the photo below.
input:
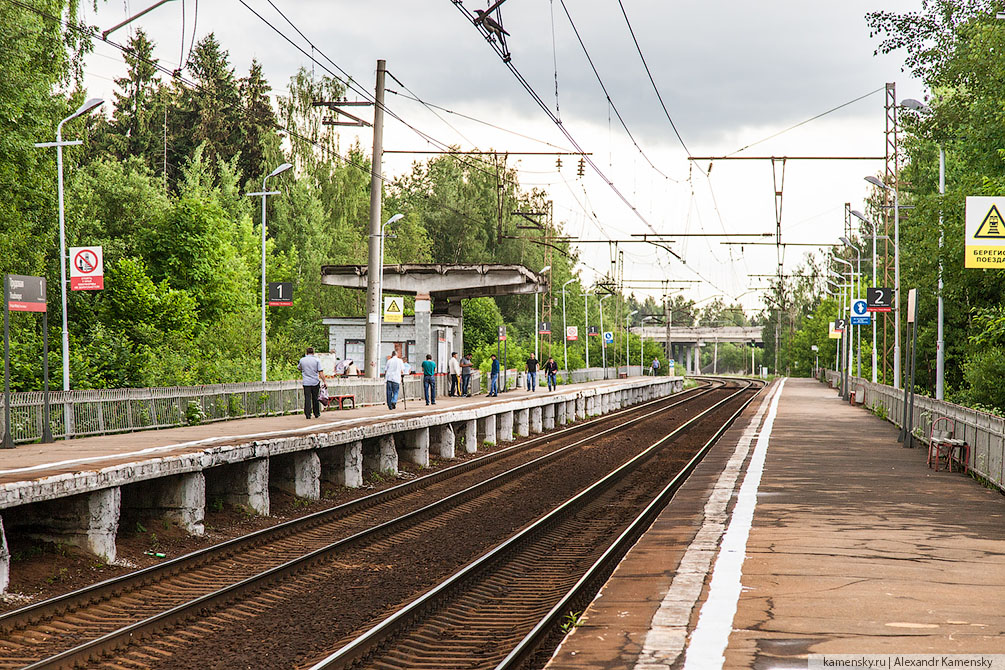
(438, 324)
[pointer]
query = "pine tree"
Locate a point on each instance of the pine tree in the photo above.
(258, 121)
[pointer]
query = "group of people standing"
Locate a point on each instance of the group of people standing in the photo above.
(458, 372)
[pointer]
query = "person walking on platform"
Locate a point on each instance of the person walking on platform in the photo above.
(655, 366)
(392, 379)
(429, 379)
(532, 373)
(465, 375)
(454, 372)
(494, 377)
(551, 372)
(310, 372)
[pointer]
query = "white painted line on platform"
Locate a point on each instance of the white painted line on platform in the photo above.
(667, 634)
(707, 648)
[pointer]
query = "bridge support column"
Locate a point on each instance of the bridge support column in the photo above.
(243, 485)
(379, 455)
(342, 464)
(471, 436)
(536, 420)
(548, 417)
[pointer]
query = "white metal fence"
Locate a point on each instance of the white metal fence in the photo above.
(105, 411)
(985, 433)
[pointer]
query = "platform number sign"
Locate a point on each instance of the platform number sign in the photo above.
(879, 299)
(25, 294)
(544, 328)
(593, 331)
(502, 333)
(280, 294)
(840, 325)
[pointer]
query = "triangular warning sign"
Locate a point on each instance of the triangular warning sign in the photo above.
(393, 307)
(993, 226)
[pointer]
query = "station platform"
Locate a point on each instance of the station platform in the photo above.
(807, 530)
(37, 461)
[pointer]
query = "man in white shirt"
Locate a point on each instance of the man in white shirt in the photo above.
(392, 378)
(454, 369)
(310, 369)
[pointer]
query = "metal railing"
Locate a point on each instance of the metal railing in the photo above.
(107, 411)
(985, 433)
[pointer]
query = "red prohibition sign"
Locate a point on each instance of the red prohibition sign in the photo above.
(85, 261)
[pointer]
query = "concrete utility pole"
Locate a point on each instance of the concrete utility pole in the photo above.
(374, 267)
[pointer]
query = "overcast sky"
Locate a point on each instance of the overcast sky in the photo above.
(730, 73)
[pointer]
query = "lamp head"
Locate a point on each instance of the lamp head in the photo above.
(860, 216)
(845, 241)
(877, 183)
(86, 107)
(544, 269)
(394, 219)
(915, 105)
(279, 170)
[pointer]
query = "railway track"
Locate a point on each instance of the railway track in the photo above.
(505, 608)
(82, 626)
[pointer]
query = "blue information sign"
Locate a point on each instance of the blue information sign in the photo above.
(860, 315)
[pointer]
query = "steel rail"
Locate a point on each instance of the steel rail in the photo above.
(605, 565)
(358, 649)
(83, 653)
(31, 614)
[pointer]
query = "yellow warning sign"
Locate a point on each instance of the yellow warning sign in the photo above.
(394, 309)
(985, 231)
(991, 226)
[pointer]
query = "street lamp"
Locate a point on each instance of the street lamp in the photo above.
(546, 268)
(940, 345)
(642, 343)
(628, 331)
(586, 324)
(380, 284)
(85, 108)
(857, 214)
(279, 170)
(896, 276)
(565, 335)
(603, 342)
(846, 335)
(857, 294)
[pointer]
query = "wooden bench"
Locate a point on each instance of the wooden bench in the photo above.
(945, 449)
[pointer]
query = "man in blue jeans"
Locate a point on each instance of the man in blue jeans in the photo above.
(392, 378)
(494, 377)
(429, 379)
(532, 373)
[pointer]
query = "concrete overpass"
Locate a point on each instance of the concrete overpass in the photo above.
(685, 341)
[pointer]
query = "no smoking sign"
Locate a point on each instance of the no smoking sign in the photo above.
(87, 269)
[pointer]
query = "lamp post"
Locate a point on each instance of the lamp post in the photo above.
(85, 108)
(847, 332)
(603, 342)
(862, 218)
(642, 344)
(380, 284)
(282, 168)
(586, 324)
(537, 353)
(628, 331)
(896, 276)
(940, 345)
(857, 295)
(565, 335)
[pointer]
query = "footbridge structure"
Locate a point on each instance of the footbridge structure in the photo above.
(683, 343)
